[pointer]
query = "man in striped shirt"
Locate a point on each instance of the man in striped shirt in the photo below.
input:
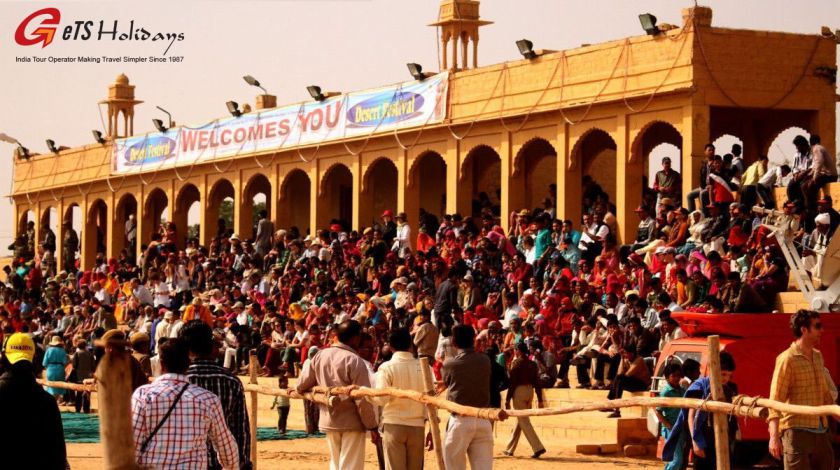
(208, 374)
(172, 419)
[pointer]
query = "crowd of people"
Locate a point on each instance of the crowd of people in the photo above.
(491, 310)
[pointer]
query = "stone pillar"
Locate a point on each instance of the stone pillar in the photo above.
(59, 237)
(510, 185)
(568, 179)
(206, 228)
(241, 221)
(87, 239)
(454, 191)
(628, 184)
(695, 136)
(110, 221)
(274, 196)
(356, 176)
(314, 205)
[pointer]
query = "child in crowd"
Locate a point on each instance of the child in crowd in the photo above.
(282, 404)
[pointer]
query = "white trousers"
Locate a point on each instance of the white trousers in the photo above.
(466, 436)
(347, 450)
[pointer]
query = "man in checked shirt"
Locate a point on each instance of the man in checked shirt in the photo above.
(206, 372)
(181, 438)
(800, 378)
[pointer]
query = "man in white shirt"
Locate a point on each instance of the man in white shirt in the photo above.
(168, 328)
(512, 309)
(161, 293)
(144, 297)
(773, 177)
(402, 242)
(402, 420)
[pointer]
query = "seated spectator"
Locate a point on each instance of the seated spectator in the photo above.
(633, 376)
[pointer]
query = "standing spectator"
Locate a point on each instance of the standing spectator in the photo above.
(84, 366)
(668, 416)
(172, 419)
(283, 404)
(402, 239)
(667, 182)
(54, 362)
(402, 420)
(265, 229)
(345, 424)
(131, 235)
(699, 424)
(802, 442)
(426, 337)
(205, 372)
(524, 382)
(28, 412)
(822, 172)
(467, 380)
(446, 299)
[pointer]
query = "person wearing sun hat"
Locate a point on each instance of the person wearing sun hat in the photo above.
(54, 362)
(28, 412)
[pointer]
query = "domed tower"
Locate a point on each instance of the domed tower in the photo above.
(459, 20)
(120, 101)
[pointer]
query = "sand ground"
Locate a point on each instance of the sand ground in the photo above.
(312, 454)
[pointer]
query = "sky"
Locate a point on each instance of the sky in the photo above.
(342, 45)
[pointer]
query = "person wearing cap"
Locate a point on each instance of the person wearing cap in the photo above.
(523, 384)
(55, 360)
(29, 412)
(198, 311)
(825, 205)
(816, 244)
(646, 231)
(667, 182)
(402, 238)
(140, 352)
(426, 336)
(389, 227)
(168, 328)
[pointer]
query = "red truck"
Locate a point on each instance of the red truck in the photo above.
(754, 340)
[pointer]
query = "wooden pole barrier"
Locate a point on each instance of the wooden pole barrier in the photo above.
(114, 394)
(799, 410)
(492, 414)
(281, 392)
(434, 420)
(252, 365)
(720, 420)
(67, 385)
(744, 409)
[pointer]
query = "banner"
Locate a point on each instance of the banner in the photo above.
(359, 114)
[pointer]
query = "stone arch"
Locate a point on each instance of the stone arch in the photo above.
(25, 217)
(655, 141)
(221, 193)
(294, 203)
(96, 233)
(257, 190)
(126, 206)
(534, 171)
(595, 153)
(780, 148)
(186, 199)
(49, 220)
(335, 197)
(481, 172)
(379, 191)
(71, 220)
(154, 213)
(426, 186)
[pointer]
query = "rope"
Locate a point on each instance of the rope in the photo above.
(534, 106)
(600, 92)
(483, 108)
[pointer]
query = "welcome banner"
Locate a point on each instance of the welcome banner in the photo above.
(358, 114)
